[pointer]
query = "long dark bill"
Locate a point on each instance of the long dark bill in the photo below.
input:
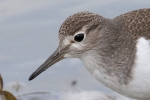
(54, 58)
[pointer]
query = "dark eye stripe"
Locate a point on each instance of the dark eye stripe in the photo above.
(79, 37)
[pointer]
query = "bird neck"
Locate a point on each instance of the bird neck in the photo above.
(110, 56)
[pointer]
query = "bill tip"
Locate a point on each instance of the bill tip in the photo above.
(31, 78)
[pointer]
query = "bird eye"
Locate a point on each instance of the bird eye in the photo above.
(79, 37)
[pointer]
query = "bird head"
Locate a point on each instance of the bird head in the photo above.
(78, 34)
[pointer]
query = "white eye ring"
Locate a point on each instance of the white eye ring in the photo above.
(80, 36)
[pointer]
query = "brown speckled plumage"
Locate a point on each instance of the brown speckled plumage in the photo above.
(137, 23)
(77, 21)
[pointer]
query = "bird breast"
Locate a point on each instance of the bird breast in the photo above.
(138, 86)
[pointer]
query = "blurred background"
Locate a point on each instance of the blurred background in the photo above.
(29, 35)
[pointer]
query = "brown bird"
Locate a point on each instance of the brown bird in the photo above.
(115, 51)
